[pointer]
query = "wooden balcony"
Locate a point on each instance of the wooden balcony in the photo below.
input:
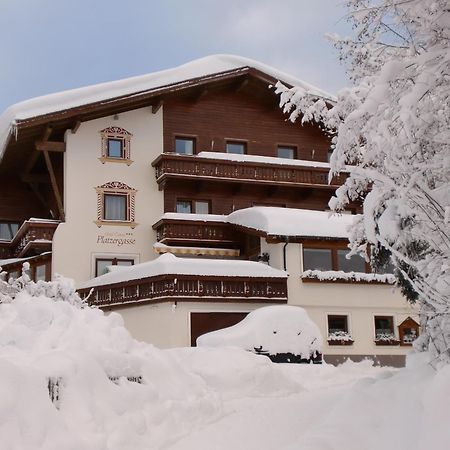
(172, 165)
(188, 288)
(175, 231)
(33, 237)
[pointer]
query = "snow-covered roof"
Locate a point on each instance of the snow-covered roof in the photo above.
(263, 159)
(199, 68)
(293, 222)
(276, 221)
(168, 264)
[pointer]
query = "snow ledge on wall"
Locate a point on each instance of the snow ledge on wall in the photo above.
(339, 275)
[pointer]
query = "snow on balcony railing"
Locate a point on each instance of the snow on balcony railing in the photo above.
(37, 232)
(261, 170)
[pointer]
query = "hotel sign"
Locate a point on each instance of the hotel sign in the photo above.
(118, 239)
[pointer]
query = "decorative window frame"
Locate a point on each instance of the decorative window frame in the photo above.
(116, 188)
(119, 134)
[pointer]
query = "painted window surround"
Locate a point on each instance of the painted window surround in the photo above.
(119, 134)
(116, 188)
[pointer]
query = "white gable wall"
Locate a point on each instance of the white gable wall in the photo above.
(78, 240)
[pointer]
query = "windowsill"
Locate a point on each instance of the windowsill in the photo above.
(392, 342)
(341, 342)
(105, 159)
(334, 276)
(119, 223)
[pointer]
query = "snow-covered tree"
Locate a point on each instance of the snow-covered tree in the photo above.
(391, 131)
(61, 289)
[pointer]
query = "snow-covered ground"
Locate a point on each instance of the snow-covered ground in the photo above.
(115, 393)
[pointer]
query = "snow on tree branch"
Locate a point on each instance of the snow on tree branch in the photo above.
(391, 130)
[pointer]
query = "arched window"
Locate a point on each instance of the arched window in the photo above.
(115, 145)
(115, 204)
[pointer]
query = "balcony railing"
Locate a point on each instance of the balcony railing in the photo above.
(173, 231)
(33, 237)
(189, 288)
(174, 165)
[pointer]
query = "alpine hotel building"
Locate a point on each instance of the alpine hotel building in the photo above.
(185, 199)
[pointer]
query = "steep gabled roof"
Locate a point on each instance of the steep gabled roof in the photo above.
(103, 96)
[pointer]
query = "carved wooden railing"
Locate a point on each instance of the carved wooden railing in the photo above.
(32, 234)
(189, 288)
(171, 230)
(184, 165)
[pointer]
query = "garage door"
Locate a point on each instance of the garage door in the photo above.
(202, 323)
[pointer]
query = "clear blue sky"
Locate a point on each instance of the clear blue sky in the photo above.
(53, 45)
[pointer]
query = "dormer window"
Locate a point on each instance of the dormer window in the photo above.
(115, 145)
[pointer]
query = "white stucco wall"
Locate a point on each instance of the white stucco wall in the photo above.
(77, 241)
(167, 326)
(361, 302)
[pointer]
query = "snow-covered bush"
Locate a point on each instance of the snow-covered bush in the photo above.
(391, 132)
(271, 330)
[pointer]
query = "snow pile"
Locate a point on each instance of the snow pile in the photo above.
(236, 373)
(87, 356)
(168, 264)
(270, 330)
(336, 275)
(293, 222)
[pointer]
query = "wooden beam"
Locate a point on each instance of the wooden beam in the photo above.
(51, 172)
(199, 95)
(75, 126)
(157, 106)
(35, 178)
(31, 162)
(47, 133)
(50, 146)
(39, 195)
(241, 85)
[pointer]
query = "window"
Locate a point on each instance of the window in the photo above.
(39, 272)
(184, 206)
(355, 264)
(238, 148)
(115, 204)
(338, 331)
(115, 145)
(192, 206)
(384, 331)
(337, 324)
(201, 207)
(317, 259)
(102, 264)
(286, 152)
(324, 259)
(184, 146)
(115, 148)
(115, 207)
(8, 230)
